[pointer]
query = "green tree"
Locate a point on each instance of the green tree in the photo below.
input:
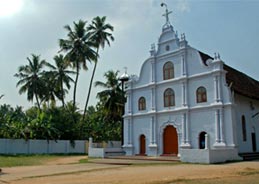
(112, 97)
(30, 78)
(78, 49)
(100, 34)
(59, 76)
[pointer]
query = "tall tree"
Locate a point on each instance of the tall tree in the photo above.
(100, 34)
(112, 97)
(60, 76)
(78, 49)
(30, 78)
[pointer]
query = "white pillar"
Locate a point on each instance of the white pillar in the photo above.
(183, 94)
(219, 88)
(207, 141)
(152, 130)
(222, 139)
(153, 99)
(152, 71)
(216, 88)
(217, 126)
(183, 128)
(129, 102)
(90, 142)
(129, 132)
(183, 65)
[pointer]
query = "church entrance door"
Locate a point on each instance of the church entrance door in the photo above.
(170, 141)
(142, 141)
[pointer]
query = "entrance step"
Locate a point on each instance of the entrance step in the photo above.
(148, 158)
(250, 156)
(114, 152)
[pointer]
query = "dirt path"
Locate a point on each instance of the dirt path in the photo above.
(66, 160)
(134, 174)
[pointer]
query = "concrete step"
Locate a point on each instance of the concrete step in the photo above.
(250, 156)
(147, 158)
(114, 152)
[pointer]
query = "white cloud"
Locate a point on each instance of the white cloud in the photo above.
(183, 6)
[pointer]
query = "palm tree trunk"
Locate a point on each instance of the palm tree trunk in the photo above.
(62, 93)
(38, 103)
(77, 74)
(91, 83)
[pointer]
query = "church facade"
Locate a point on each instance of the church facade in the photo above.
(188, 104)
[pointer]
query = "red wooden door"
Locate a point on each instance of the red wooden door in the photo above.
(170, 140)
(142, 145)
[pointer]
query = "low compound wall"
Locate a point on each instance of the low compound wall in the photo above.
(20, 146)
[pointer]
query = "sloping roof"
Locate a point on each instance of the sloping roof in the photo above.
(204, 57)
(240, 82)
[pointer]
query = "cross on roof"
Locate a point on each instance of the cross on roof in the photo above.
(166, 14)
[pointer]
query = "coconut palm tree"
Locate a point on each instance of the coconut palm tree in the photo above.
(30, 78)
(112, 97)
(100, 35)
(58, 77)
(78, 49)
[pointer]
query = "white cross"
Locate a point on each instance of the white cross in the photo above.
(166, 13)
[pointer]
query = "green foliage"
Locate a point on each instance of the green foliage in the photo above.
(98, 127)
(47, 83)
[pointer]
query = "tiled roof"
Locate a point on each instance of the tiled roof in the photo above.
(240, 82)
(204, 57)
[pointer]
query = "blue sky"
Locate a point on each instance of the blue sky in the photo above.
(228, 27)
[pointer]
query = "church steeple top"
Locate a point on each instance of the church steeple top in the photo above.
(166, 15)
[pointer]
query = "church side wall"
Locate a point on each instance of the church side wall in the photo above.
(247, 107)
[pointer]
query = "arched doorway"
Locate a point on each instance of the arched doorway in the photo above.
(142, 145)
(202, 140)
(170, 140)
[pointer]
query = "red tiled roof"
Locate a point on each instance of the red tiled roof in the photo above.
(240, 82)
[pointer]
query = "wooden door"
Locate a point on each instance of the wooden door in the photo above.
(142, 145)
(170, 140)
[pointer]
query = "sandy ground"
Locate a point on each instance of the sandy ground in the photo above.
(62, 171)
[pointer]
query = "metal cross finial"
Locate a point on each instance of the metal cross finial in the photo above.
(166, 13)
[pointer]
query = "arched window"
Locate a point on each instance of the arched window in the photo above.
(142, 104)
(202, 140)
(244, 127)
(169, 98)
(201, 95)
(168, 70)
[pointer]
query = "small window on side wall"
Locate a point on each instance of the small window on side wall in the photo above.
(142, 104)
(244, 128)
(201, 95)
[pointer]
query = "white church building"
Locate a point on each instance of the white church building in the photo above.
(185, 103)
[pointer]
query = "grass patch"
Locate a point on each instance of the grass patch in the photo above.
(84, 161)
(25, 160)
